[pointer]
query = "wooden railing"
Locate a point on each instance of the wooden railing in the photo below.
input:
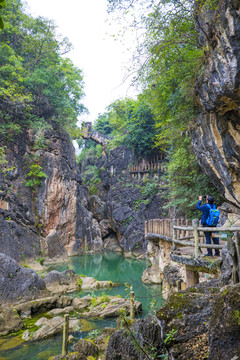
(164, 227)
(180, 233)
(145, 167)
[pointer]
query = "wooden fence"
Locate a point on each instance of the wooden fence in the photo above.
(180, 231)
(146, 167)
(164, 227)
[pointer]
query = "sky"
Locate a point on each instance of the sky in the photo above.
(97, 53)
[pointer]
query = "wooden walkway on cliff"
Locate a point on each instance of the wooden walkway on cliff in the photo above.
(187, 240)
(156, 165)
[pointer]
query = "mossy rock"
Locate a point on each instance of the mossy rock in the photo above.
(86, 348)
(70, 356)
(224, 332)
(189, 313)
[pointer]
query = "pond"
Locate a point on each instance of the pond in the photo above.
(102, 266)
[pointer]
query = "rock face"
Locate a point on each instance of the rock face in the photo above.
(216, 135)
(120, 207)
(10, 321)
(42, 200)
(199, 323)
(18, 283)
(148, 344)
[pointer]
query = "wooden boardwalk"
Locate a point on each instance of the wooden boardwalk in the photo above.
(187, 238)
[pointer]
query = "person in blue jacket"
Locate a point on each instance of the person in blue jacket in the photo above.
(205, 212)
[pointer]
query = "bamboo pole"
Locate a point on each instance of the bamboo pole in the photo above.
(65, 335)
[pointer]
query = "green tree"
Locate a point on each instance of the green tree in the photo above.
(2, 4)
(171, 57)
(133, 125)
(102, 124)
(38, 85)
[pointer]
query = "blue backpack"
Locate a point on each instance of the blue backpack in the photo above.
(213, 217)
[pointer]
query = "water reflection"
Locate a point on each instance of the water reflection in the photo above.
(104, 266)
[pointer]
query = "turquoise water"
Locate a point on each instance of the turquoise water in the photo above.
(103, 266)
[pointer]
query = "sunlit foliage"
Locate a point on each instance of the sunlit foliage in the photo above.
(37, 84)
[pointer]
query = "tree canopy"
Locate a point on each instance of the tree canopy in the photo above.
(38, 85)
(169, 58)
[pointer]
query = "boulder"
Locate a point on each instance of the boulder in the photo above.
(59, 282)
(9, 321)
(142, 343)
(69, 356)
(111, 307)
(54, 246)
(91, 283)
(86, 348)
(18, 283)
(29, 308)
(50, 327)
(225, 325)
(81, 303)
(62, 311)
(152, 275)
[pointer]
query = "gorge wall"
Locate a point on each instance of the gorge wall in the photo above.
(46, 210)
(42, 211)
(216, 135)
(121, 203)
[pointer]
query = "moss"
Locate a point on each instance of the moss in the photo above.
(236, 316)
(176, 304)
(179, 315)
(79, 282)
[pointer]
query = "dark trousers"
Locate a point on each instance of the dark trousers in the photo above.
(208, 237)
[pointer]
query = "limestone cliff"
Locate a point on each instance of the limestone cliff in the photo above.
(216, 136)
(122, 203)
(42, 200)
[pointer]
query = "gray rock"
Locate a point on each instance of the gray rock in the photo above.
(54, 246)
(86, 348)
(18, 283)
(111, 243)
(97, 207)
(9, 320)
(224, 325)
(112, 308)
(147, 334)
(18, 240)
(105, 227)
(58, 282)
(50, 327)
(81, 303)
(43, 305)
(215, 136)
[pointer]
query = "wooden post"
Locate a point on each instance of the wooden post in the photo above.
(192, 276)
(132, 312)
(65, 335)
(174, 247)
(179, 285)
(195, 224)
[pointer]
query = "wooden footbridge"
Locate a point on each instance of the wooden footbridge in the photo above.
(186, 244)
(89, 133)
